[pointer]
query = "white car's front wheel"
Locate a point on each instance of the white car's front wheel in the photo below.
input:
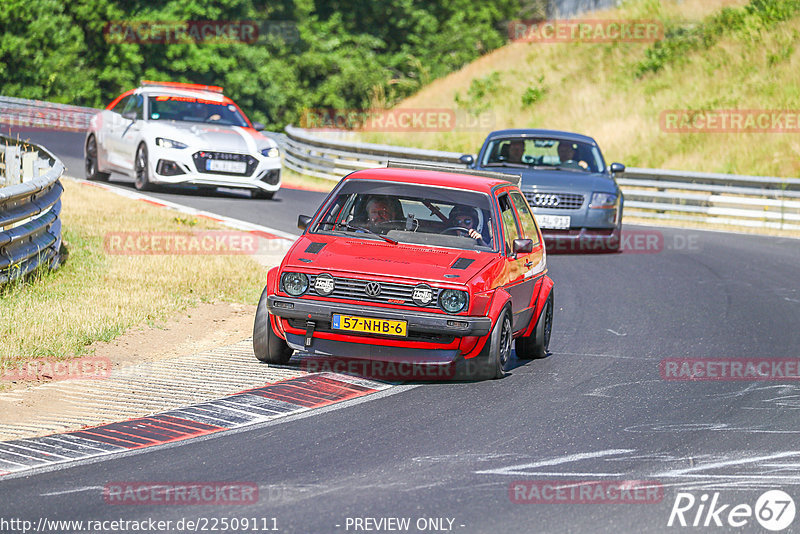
(92, 171)
(142, 169)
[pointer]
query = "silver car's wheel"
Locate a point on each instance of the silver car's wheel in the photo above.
(142, 178)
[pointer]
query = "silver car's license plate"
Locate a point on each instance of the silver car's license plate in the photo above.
(554, 222)
(238, 167)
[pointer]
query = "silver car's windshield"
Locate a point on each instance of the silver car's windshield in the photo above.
(542, 153)
(179, 108)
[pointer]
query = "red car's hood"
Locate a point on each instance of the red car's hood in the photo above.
(379, 258)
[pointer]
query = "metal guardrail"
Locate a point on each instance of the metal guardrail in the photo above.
(754, 201)
(30, 204)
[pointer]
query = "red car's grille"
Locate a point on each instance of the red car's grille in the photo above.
(390, 293)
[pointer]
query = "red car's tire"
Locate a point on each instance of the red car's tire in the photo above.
(267, 346)
(536, 345)
(494, 359)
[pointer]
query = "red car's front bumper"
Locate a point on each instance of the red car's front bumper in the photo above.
(433, 338)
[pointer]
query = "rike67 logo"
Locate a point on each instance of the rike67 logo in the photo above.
(774, 510)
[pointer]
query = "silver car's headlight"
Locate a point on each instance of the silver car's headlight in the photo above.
(603, 200)
(295, 283)
(453, 301)
(270, 152)
(169, 143)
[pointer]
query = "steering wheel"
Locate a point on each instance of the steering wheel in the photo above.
(455, 229)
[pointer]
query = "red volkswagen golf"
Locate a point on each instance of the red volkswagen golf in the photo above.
(402, 265)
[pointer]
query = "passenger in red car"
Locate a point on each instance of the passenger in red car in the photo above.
(466, 218)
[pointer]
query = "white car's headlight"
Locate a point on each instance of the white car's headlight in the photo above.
(169, 143)
(271, 152)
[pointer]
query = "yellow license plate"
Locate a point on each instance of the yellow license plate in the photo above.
(368, 325)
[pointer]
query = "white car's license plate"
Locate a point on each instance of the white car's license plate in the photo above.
(239, 167)
(554, 222)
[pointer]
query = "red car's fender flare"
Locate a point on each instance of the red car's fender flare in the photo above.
(500, 300)
(540, 297)
(271, 289)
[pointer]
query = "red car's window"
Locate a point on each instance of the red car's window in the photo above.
(526, 217)
(510, 227)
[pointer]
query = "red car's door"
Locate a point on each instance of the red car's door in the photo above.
(518, 281)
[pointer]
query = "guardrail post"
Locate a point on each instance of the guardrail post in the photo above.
(13, 165)
(40, 166)
(28, 161)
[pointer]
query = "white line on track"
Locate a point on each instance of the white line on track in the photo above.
(520, 468)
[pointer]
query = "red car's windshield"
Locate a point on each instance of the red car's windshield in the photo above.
(411, 213)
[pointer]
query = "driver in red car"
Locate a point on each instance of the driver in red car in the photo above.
(466, 218)
(380, 209)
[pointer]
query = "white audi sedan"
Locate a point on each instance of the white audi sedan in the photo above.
(181, 133)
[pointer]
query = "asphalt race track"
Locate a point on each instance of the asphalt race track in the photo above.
(598, 409)
(280, 213)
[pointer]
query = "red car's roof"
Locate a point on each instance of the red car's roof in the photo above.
(435, 178)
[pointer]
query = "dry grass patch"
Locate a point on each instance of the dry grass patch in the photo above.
(593, 88)
(97, 296)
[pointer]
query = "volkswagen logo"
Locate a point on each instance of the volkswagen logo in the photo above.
(372, 289)
(549, 201)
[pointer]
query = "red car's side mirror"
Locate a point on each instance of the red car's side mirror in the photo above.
(523, 246)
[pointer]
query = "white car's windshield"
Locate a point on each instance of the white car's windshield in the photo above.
(542, 153)
(179, 108)
(411, 214)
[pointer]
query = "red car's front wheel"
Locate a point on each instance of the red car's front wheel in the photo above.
(267, 346)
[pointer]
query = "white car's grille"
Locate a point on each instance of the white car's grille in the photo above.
(202, 158)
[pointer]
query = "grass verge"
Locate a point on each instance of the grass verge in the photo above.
(96, 296)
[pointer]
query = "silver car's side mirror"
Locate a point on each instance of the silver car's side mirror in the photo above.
(617, 167)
